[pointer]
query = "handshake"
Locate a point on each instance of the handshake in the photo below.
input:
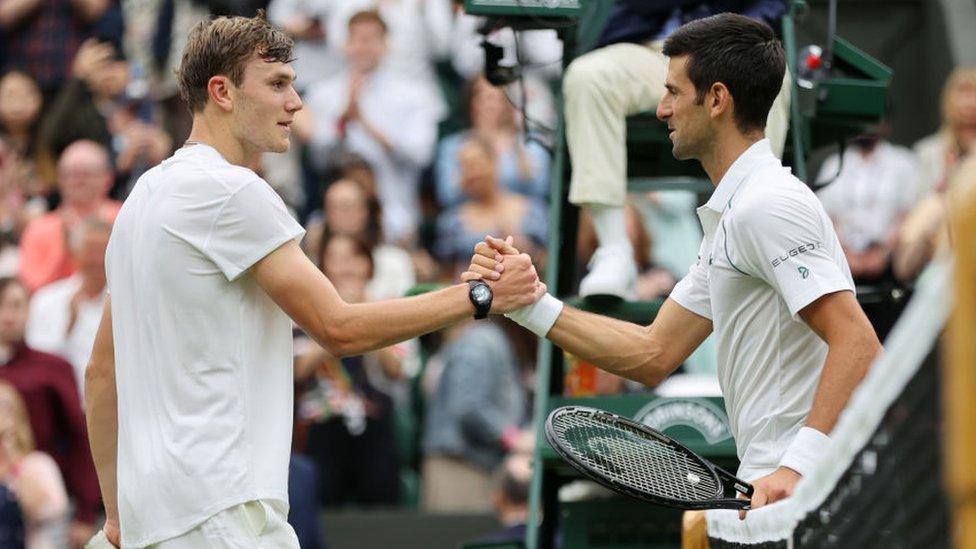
(510, 274)
(517, 291)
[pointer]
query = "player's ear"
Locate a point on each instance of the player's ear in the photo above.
(221, 91)
(718, 100)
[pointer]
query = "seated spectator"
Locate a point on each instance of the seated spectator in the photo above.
(490, 209)
(318, 55)
(47, 385)
(349, 209)
(925, 234)
(523, 167)
(376, 113)
(20, 112)
(96, 104)
(874, 187)
(476, 406)
(510, 496)
(942, 151)
(33, 500)
(64, 315)
(84, 179)
(44, 35)
(349, 419)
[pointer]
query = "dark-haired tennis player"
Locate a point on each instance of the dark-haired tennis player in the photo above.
(771, 279)
(189, 388)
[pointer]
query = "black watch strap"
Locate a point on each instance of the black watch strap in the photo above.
(480, 295)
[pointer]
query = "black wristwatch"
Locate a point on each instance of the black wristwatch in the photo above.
(480, 295)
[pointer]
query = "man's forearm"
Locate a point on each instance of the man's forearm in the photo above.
(369, 326)
(101, 403)
(846, 365)
(619, 347)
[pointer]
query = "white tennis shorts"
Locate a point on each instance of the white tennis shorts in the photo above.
(259, 524)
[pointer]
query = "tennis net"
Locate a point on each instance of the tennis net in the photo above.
(882, 485)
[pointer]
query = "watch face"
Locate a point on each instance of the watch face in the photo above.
(481, 293)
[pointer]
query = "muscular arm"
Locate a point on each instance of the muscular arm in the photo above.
(101, 404)
(310, 299)
(642, 353)
(852, 345)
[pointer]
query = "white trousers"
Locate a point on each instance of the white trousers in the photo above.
(602, 88)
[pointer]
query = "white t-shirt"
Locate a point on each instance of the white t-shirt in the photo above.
(203, 355)
(47, 324)
(769, 250)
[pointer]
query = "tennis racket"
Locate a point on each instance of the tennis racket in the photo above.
(635, 460)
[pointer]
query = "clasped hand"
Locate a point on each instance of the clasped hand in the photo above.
(511, 275)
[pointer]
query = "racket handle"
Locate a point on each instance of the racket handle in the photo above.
(738, 485)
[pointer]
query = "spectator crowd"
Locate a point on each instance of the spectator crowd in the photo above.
(402, 158)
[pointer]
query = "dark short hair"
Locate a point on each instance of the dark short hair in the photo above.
(223, 46)
(737, 51)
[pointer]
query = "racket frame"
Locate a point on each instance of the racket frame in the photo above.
(731, 485)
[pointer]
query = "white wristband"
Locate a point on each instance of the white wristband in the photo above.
(539, 317)
(807, 449)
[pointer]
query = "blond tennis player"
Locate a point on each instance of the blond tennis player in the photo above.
(189, 388)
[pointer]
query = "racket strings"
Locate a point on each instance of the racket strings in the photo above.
(632, 457)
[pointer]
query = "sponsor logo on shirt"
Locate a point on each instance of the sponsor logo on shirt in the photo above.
(804, 272)
(801, 249)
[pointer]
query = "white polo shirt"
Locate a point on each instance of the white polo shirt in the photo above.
(769, 250)
(203, 357)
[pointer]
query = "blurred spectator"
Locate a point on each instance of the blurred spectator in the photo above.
(925, 233)
(100, 103)
(47, 385)
(489, 209)
(348, 209)
(874, 187)
(64, 315)
(30, 483)
(419, 31)
(379, 115)
(476, 407)
(539, 58)
(350, 436)
(43, 35)
(941, 152)
(523, 167)
(510, 496)
(84, 179)
(318, 55)
(20, 162)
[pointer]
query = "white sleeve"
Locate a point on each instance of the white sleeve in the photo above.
(252, 223)
(790, 244)
(691, 292)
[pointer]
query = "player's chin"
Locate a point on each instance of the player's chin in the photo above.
(280, 146)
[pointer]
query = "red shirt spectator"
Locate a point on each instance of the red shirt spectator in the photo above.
(84, 178)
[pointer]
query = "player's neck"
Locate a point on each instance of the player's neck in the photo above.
(209, 131)
(725, 151)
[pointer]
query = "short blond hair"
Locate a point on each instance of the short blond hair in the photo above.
(223, 46)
